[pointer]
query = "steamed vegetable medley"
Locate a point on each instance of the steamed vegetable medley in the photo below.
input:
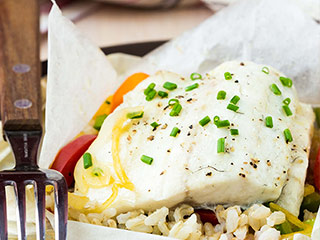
(217, 156)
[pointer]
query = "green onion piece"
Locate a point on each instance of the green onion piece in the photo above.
(151, 95)
(87, 160)
(99, 121)
(195, 76)
(146, 159)
(287, 82)
(97, 172)
(269, 122)
(175, 110)
(284, 228)
(149, 88)
(227, 76)
(134, 115)
(204, 121)
(234, 132)
(287, 135)
(170, 86)
(191, 87)
(222, 123)
(265, 70)
(232, 107)
(220, 145)
(107, 102)
(216, 119)
(235, 99)
(163, 94)
(155, 124)
(221, 95)
(287, 101)
(174, 132)
(274, 88)
(173, 101)
(317, 112)
(287, 110)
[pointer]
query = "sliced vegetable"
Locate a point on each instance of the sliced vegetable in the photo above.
(69, 155)
(204, 121)
(317, 113)
(221, 95)
(151, 95)
(176, 110)
(287, 101)
(287, 82)
(87, 160)
(227, 76)
(287, 135)
(162, 94)
(146, 159)
(308, 189)
(195, 76)
(284, 228)
(134, 115)
(174, 132)
(170, 86)
(265, 70)
(232, 107)
(207, 215)
(154, 125)
(105, 108)
(235, 99)
(287, 110)
(129, 84)
(269, 122)
(149, 88)
(173, 101)
(99, 121)
(234, 132)
(274, 88)
(220, 145)
(191, 87)
(311, 202)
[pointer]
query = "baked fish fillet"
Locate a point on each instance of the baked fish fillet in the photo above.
(257, 165)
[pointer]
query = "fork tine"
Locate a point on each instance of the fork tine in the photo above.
(61, 207)
(3, 216)
(20, 191)
(39, 194)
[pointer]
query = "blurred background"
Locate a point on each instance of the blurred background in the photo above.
(114, 22)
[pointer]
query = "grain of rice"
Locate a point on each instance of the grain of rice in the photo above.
(243, 220)
(269, 234)
(208, 229)
(157, 216)
(112, 223)
(300, 236)
(163, 228)
(276, 218)
(241, 232)
(137, 224)
(83, 218)
(232, 220)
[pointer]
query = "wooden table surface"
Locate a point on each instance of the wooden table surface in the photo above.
(110, 25)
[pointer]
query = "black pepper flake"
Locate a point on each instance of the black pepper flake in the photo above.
(255, 165)
(209, 174)
(150, 138)
(188, 134)
(190, 126)
(231, 163)
(186, 168)
(305, 149)
(162, 173)
(168, 150)
(179, 96)
(284, 171)
(236, 81)
(166, 107)
(278, 137)
(241, 64)
(189, 100)
(149, 190)
(232, 124)
(233, 139)
(242, 175)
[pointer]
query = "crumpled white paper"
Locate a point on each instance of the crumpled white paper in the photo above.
(271, 32)
(79, 79)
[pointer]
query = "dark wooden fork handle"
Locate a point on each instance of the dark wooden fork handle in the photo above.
(20, 65)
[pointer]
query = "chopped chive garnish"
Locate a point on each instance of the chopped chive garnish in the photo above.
(175, 110)
(287, 82)
(173, 101)
(151, 95)
(149, 88)
(220, 145)
(107, 102)
(235, 99)
(265, 70)
(274, 88)
(222, 123)
(317, 112)
(195, 76)
(191, 87)
(269, 122)
(97, 172)
(155, 125)
(221, 95)
(163, 94)
(146, 159)
(87, 160)
(204, 121)
(99, 121)
(133, 115)
(174, 132)
(287, 110)
(234, 132)
(227, 76)
(287, 135)
(216, 119)
(287, 101)
(232, 107)
(170, 86)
